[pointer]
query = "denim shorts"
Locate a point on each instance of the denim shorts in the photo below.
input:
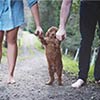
(12, 13)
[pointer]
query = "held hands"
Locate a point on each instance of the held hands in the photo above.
(61, 34)
(38, 32)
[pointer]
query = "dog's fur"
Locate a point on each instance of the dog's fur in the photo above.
(53, 54)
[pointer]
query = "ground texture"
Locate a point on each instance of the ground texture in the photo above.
(31, 74)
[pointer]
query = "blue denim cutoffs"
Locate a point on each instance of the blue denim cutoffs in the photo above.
(12, 13)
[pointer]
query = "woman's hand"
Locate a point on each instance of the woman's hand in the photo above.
(38, 31)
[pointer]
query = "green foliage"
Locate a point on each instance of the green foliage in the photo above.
(38, 45)
(49, 12)
(91, 73)
(73, 36)
(72, 43)
(96, 42)
(31, 25)
(75, 6)
(70, 65)
(4, 53)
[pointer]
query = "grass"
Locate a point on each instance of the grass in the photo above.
(4, 53)
(91, 74)
(70, 65)
(38, 45)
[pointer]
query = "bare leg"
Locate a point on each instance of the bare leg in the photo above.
(12, 53)
(1, 39)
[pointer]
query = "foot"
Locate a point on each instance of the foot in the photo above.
(97, 82)
(78, 83)
(11, 81)
(60, 84)
(49, 83)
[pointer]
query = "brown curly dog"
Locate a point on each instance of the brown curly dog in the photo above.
(53, 54)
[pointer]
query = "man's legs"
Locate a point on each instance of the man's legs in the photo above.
(87, 29)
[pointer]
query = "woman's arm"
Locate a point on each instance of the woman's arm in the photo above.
(33, 4)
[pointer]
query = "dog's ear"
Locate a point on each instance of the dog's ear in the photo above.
(51, 29)
(54, 29)
(47, 34)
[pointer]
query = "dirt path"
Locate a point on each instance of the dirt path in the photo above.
(31, 75)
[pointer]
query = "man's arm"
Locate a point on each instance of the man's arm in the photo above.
(64, 14)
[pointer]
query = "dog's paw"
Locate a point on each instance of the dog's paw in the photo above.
(60, 83)
(49, 83)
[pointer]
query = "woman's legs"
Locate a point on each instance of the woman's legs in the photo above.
(1, 39)
(12, 52)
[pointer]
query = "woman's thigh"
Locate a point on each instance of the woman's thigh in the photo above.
(12, 35)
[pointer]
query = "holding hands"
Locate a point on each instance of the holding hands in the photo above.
(38, 31)
(61, 34)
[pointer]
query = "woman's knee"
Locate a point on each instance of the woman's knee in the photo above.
(12, 36)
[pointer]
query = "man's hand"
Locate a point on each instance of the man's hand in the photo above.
(61, 34)
(38, 31)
